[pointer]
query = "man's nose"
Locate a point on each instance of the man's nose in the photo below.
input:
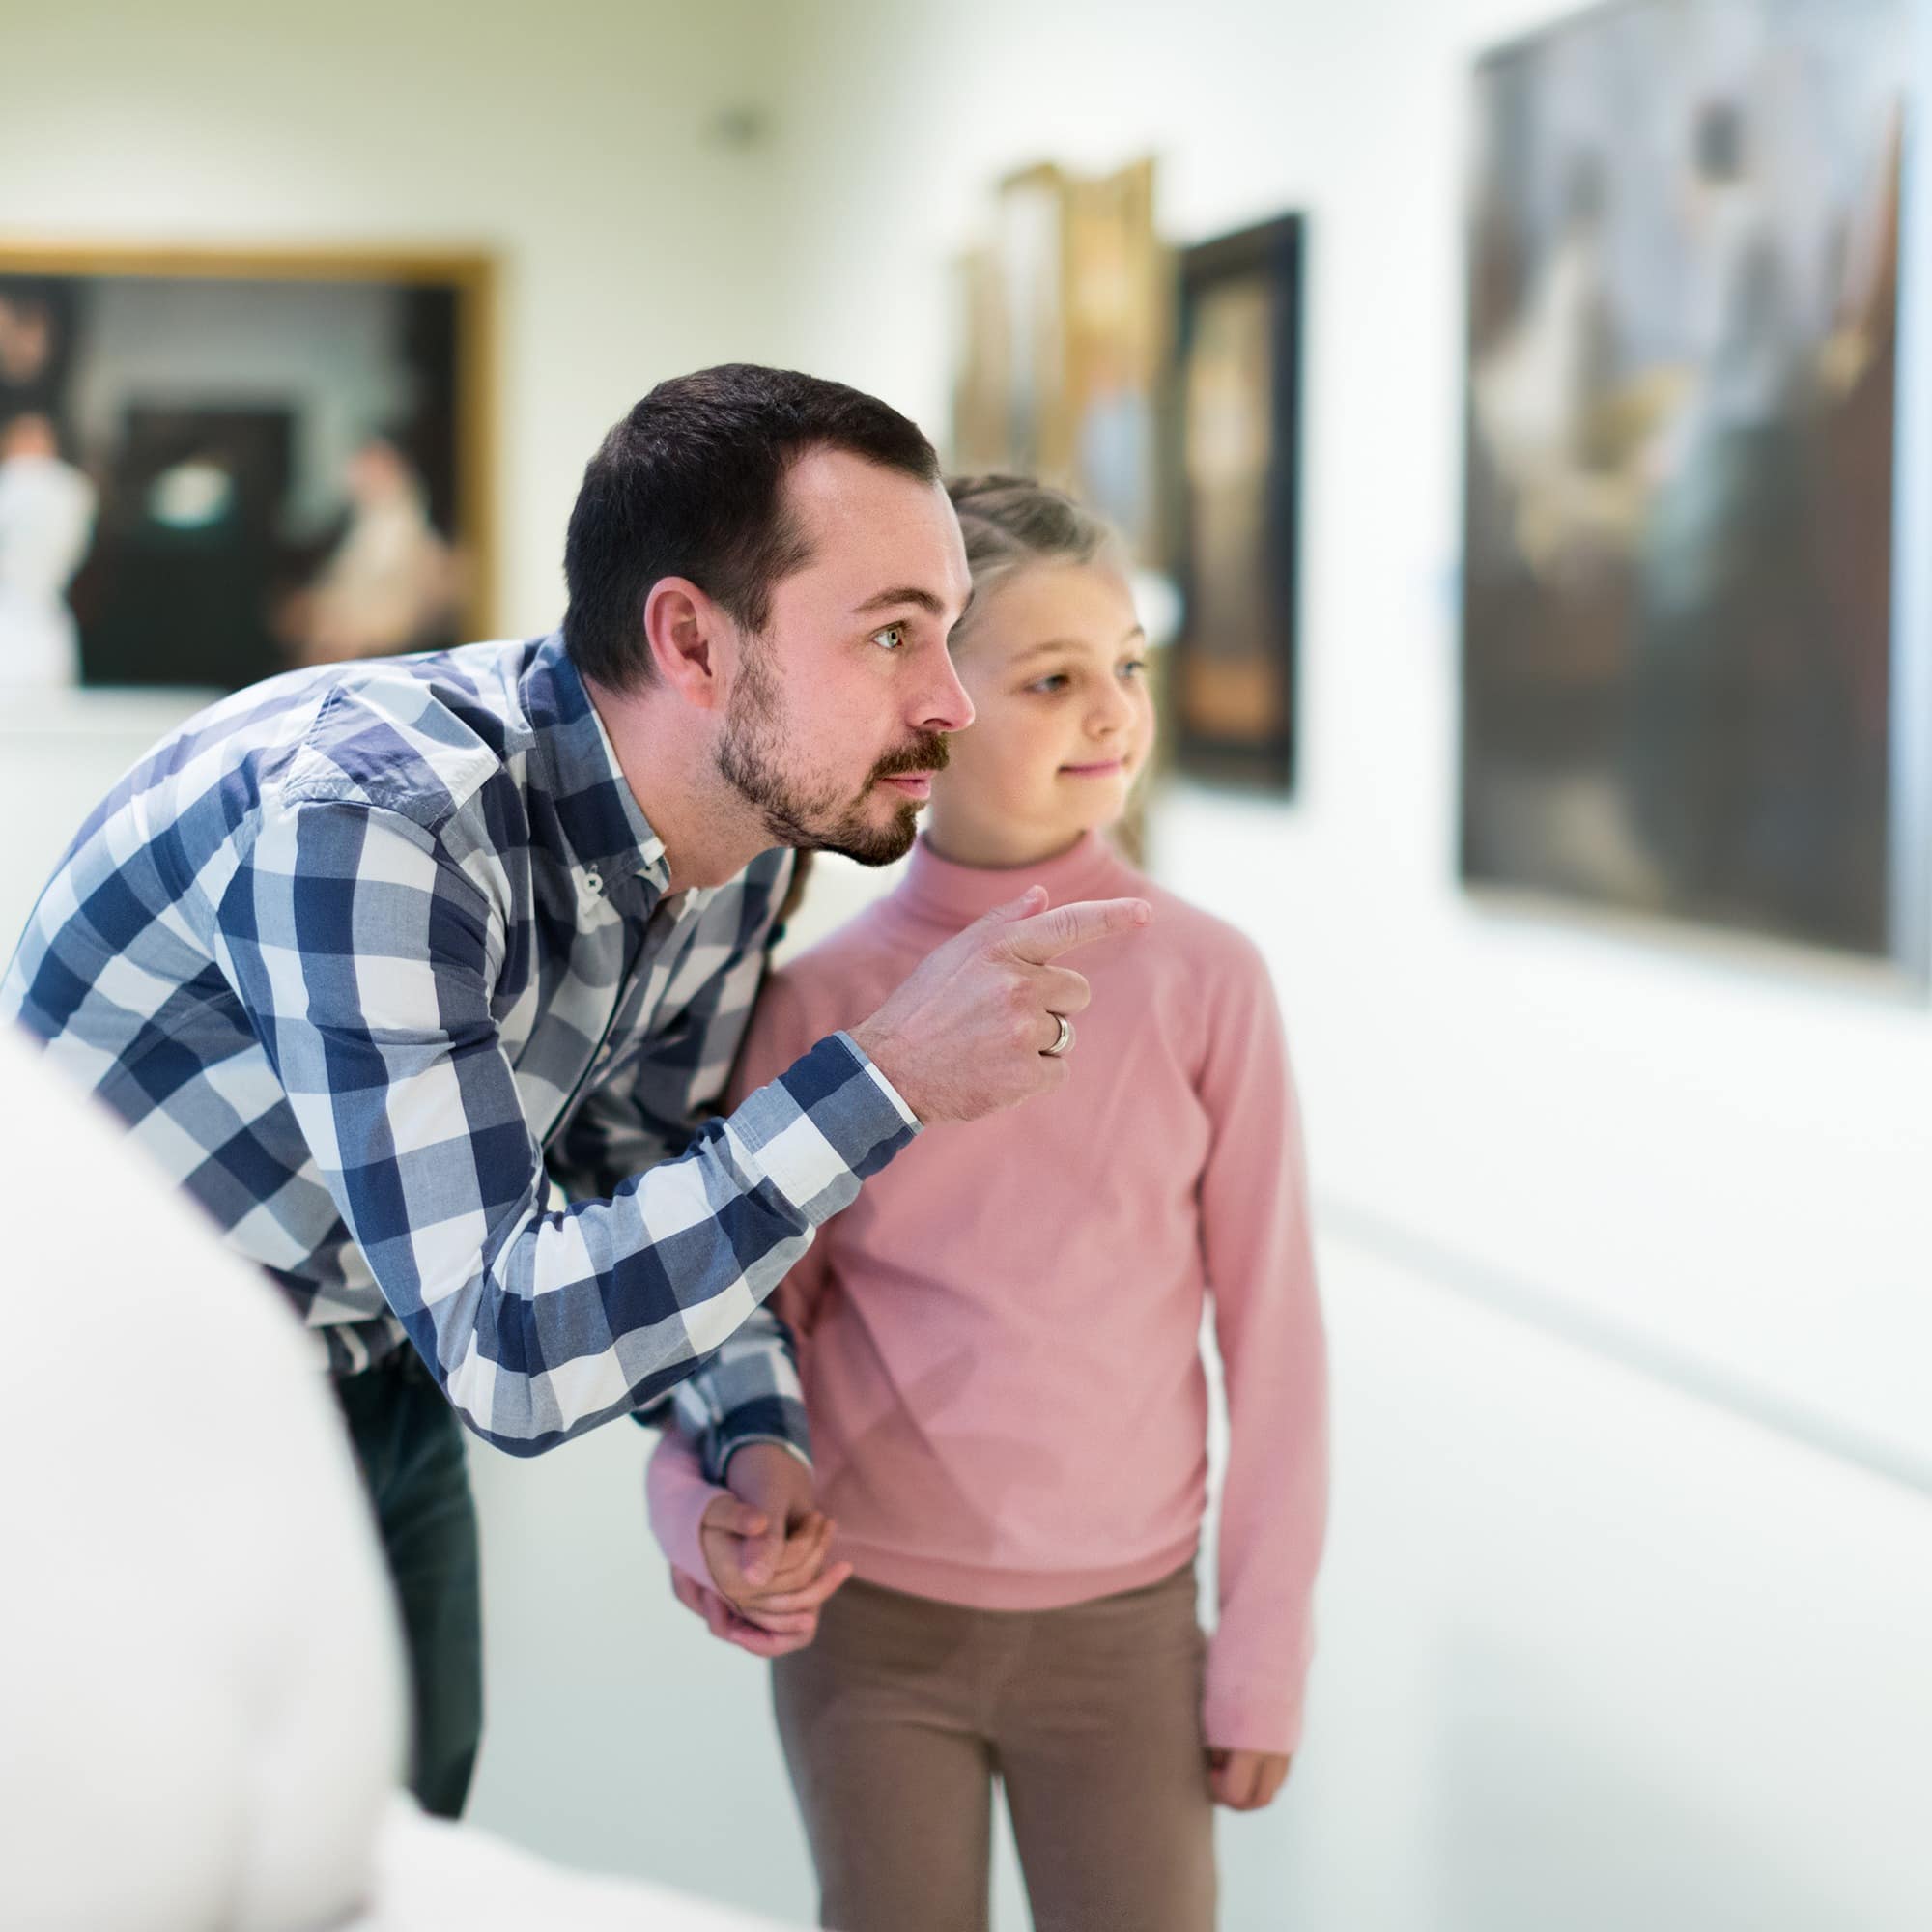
(944, 705)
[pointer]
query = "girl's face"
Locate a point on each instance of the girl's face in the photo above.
(1054, 660)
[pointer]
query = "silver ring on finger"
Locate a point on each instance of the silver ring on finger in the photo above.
(1064, 1043)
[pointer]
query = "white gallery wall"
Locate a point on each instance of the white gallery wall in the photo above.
(1621, 1625)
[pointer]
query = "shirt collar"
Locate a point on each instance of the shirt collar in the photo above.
(600, 818)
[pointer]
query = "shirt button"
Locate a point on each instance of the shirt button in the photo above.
(594, 880)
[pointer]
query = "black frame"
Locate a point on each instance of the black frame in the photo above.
(1275, 250)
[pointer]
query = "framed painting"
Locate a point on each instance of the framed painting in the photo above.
(218, 464)
(1685, 677)
(1068, 334)
(1232, 684)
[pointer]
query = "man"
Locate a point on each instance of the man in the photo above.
(418, 974)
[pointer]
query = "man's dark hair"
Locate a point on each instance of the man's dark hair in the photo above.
(691, 484)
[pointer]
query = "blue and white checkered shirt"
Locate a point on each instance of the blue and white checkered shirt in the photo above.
(376, 961)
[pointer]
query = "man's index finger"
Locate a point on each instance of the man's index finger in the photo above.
(1059, 929)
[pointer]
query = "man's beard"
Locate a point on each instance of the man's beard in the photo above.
(750, 759)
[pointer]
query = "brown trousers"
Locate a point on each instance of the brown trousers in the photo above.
(897, 1720)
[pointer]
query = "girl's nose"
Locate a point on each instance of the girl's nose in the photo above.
(1111, 714)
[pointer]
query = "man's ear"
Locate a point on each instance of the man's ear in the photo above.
(688, 642)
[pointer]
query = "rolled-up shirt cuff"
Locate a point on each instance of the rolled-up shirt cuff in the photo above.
(767, 1418)
(745, 1441)
(823, 1126)
(884, 1085)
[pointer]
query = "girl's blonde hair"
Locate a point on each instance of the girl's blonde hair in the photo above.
(1010, 522)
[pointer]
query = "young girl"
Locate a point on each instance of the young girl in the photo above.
(999, 1346)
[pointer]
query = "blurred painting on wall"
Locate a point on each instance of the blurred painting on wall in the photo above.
(1067, 335)
(220, 464)
(1232, 684)
(1677, 599)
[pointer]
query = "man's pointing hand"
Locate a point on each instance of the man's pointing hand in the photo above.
(976, 1026)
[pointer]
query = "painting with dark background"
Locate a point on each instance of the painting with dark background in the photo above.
(1231, 686)
(217, 469)
(1678, 626)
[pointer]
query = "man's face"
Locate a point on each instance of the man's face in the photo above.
(836, 717)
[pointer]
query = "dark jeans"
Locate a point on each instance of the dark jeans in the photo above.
(410, 1445)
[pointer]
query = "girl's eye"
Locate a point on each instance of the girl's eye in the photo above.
(892, 637)
(1049, 686)
(1134, 668)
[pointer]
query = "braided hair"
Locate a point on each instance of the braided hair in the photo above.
(1010, 522)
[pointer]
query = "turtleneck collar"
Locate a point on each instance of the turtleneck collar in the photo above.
(954, 896)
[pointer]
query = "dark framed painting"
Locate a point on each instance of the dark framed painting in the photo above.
(218, 464)
(1232, 683)
(1682, 665)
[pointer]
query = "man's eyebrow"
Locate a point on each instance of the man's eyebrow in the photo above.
(902, 594)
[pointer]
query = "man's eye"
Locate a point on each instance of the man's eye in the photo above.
(892, 637)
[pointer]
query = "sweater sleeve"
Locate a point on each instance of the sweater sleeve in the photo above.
(1261, 1269)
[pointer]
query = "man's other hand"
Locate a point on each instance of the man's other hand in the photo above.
(776, 1485)
(765, 1546)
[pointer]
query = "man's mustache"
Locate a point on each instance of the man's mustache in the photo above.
(930, 753)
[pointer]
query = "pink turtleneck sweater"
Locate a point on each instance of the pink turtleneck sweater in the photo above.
(1000, 1339)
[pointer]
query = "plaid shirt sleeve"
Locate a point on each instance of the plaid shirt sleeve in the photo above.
(365, 957)
(650, 1112)
(747, 1392)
